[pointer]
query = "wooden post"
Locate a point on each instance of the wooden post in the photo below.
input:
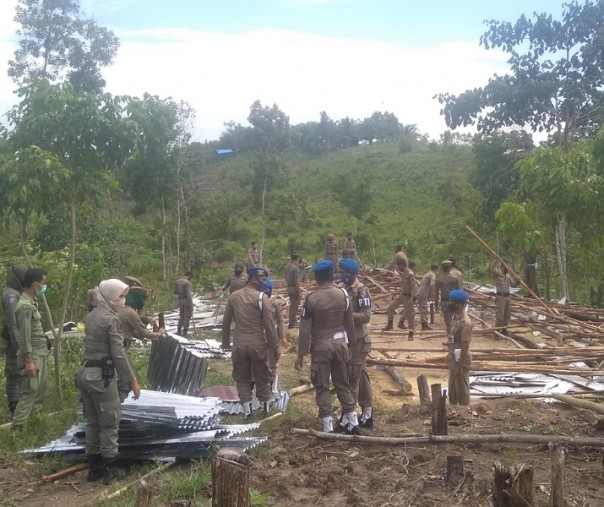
(513, 489)
(432, 313)
(143, 495)
(556, 497)
(455, 471)
(231, 478)
(439, 411)
(424, 392)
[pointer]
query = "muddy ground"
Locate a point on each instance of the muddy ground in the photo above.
(305, 471)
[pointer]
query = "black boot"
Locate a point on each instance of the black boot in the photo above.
(401, 324)
(111, 472)
(265, 407)
(426, 327)
(95, 467)
(410, 337)
(12, 406)
(389, 326)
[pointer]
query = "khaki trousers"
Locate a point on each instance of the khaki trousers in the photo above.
(102, 410)
(360, 385)
(503, 310)
(294, 303)
(459, 385)
(251, 364)
(332, 362)
(184, 317)
(32, 389)
(422, 303)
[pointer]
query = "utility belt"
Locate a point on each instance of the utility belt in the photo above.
(504, 294)
(106, 365)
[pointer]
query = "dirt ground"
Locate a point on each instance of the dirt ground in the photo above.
(305, 471)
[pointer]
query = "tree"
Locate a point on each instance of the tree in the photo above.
(556, 78)
(271, 137)
(86, 135)
(57, 43)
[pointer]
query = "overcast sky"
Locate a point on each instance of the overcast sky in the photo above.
(345, 57)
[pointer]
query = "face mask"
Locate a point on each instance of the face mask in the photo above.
(41, 290)
(452, 307)
(238, 272)
(346, 278)
(268, 292)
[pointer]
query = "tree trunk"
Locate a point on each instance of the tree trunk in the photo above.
(163, 240)
(561, 256)
(178, 203)
(263, 232)
(231, 478)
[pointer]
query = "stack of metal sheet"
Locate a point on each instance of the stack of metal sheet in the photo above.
(162, 425)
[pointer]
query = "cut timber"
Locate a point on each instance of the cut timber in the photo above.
(511, 487)
(64, 473)
(455, 471)
(405, 386)
(231, 478)
(459, 439)
(570, 400)
(424, 391)
(556, 497)
(143, 495)
(300, 389)
(439, 411)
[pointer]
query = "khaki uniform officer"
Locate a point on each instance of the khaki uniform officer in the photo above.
(280, 327)
(9, 341)
(182, 289)
(444, 284)
(503, 304)
(292, 278)
(32, 353)
(460, 357)
(253, 256)
(455, 272)
(236, 281)
(105, 361)
(326, 327)
(398, 255)
(424, 293)
(254, 338)
(350, 246)
(331, 249)
(406, 298)
(359, 348)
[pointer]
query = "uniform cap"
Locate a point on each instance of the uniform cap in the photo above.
(349, 265)
(446, 263)
(256, 271)
(139, 290)
(132, 282)
(324, 265)
(458, 295)
(330, 237)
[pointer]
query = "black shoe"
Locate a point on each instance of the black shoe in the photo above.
(388, 326)
(339, 427)
(426, 327)
(95, 467)
(401, 325)
(410, 337)
(111, 472)
(355, 430)
(265, 407)
(366, 424)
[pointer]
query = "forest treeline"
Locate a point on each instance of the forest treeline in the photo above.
(95, 185)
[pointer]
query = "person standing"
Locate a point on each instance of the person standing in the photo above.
(359, 348)
(326, 327)
(331, 249)
(279, 326)
(10, 333)
(236, 281)
(503, 303)
(398, 255)
(182, 289)
(424, 293)
(254, 338)
(294, 292)
(460, 357)
(444, 284)
(350, 247)
(455, 272)
(406, 298)
(32, 353)
(253, 256)
(105, 360)
(302, 265)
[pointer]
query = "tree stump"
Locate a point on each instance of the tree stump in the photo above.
(439, 411)
(231, 478)
(513, 488)
(556, 497)
(432, 313)
(455, 471)
(424, 391)
(143, 495)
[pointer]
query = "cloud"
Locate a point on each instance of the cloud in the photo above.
(221, 74)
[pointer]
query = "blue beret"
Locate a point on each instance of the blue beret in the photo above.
(324, 265)
(349, 265)
(458, 295)
(257, 271)
(268, 283)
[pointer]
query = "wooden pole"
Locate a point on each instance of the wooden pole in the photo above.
(455, 471)
(143, 495)
(556, 497)
(439, 411)
(231, 478)
(65, 472)
(424, 391)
